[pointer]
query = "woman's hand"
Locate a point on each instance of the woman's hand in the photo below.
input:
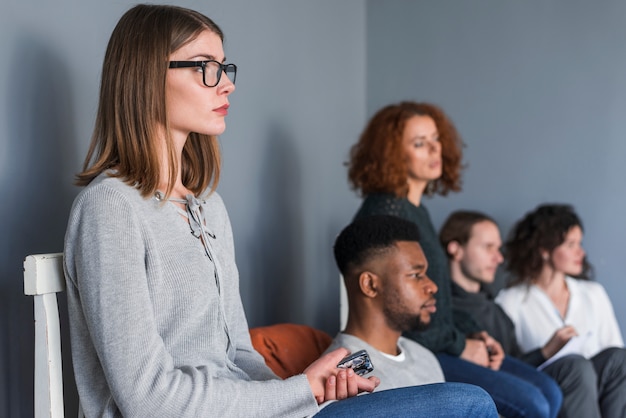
(331, 383)
(558, 340)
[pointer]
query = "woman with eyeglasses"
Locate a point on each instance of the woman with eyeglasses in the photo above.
(551, 294)
(157, 324)
(407, 151)
(156, 320)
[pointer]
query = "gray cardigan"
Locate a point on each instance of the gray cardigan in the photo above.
(157, 328)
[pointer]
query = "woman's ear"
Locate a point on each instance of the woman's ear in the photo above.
(369, 284)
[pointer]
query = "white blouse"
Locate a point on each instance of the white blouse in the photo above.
(536, 318)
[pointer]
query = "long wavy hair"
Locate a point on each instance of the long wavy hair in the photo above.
(542, 229)
(132, 104)
(378, 162)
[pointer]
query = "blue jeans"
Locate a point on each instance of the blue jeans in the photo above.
(454, 400)
(519, 390)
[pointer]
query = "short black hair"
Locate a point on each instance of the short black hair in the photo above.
(371, 235)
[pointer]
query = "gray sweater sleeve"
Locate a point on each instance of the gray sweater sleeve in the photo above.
(150, 335)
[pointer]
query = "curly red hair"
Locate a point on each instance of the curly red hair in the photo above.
(377, 162)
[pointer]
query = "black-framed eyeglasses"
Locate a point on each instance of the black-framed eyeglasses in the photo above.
(211, 70)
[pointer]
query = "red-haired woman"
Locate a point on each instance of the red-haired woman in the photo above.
(408, 150)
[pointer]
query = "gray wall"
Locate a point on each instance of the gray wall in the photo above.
(536, 88)
(299, 104)
(538, 91)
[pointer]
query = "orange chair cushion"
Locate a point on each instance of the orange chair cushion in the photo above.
(289, 348)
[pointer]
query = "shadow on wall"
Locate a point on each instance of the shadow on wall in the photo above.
(36, 200)
(275, 283)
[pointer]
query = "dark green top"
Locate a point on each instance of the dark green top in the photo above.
(448, 328)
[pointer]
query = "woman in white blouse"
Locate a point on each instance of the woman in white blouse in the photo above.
(551, 295)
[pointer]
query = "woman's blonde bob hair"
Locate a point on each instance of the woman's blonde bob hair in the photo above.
(131, 107)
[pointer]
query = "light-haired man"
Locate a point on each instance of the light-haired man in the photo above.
(472, 242)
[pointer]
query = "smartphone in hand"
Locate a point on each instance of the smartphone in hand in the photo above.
(359, 362)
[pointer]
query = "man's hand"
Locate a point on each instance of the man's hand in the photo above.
(558, 340)
(482, 349)
(476, 352)
(329, 383)
(494, 350)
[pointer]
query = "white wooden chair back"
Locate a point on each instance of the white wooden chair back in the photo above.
(43, 279)
(343, 304)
